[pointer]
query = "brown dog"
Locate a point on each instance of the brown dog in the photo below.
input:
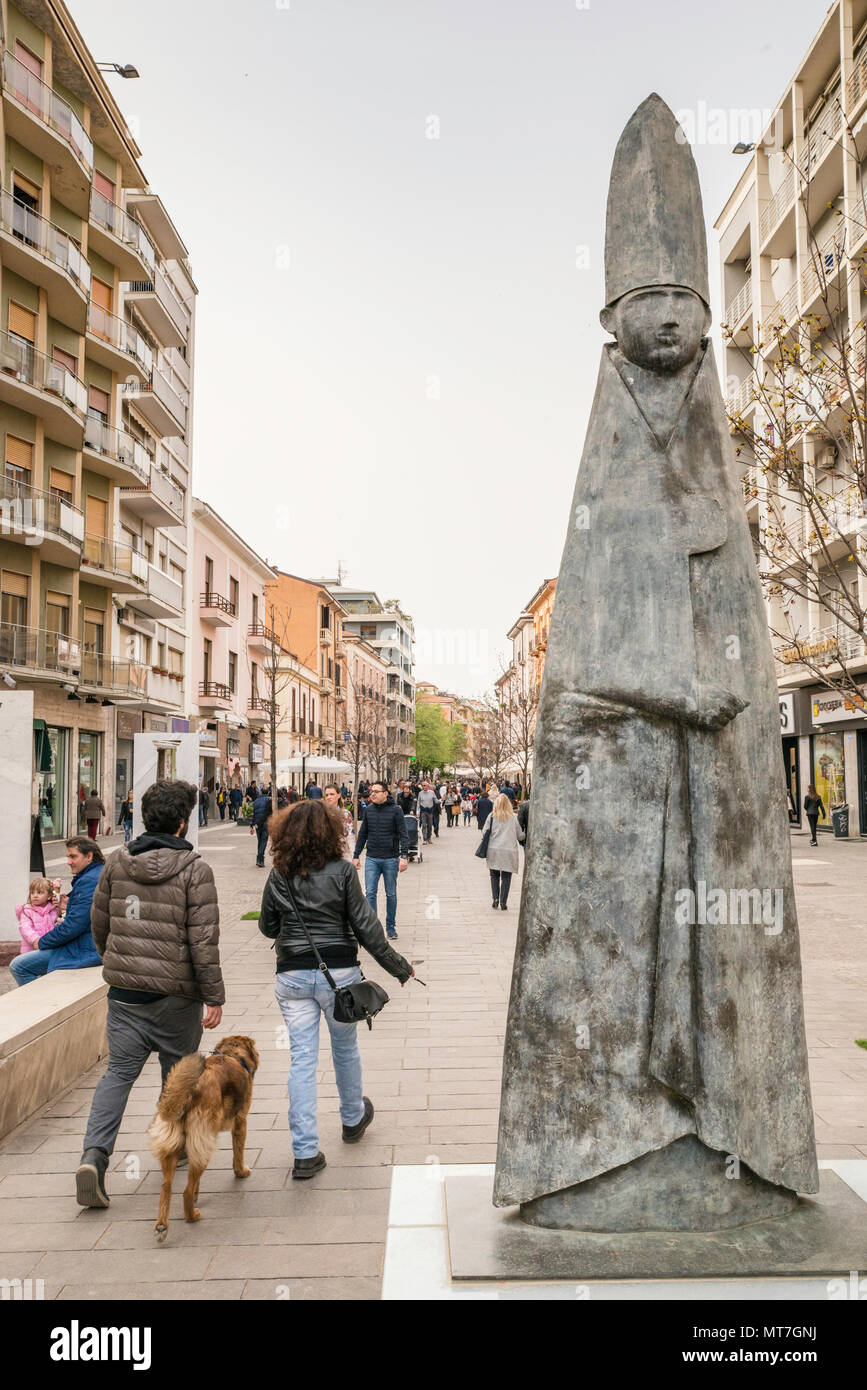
(201, 1097)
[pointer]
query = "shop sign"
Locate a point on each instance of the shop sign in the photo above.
(787, 714)
(832, 706)
(180, 726)
(233, 747)
(256, 752)
(208, 738)
(155, 725)
(128, 723)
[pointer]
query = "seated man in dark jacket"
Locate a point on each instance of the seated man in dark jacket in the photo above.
(156, 925)
(69, 945)
(383, 831)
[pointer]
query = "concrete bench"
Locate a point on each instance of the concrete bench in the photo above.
(50, 1032)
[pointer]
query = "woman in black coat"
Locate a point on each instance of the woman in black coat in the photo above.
(813, 805)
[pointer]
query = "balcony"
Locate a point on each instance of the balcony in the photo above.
(44, 254)
(120, 239)
(856, 86)
(116, 344)
(113, 564)
(258, 710)
(149, 208)
(164, 597)
(31, 381)
(340, 692)
(340, 649)
(772, 214)
(109, 675)
(739, 402)
(824, 136)
(166, 690)
(45, 124)
(261, 639)
(115, 454)
(159, 404)
(819, 279)
(739, 307)
(40, 653)
(844, 519)
(214, 695)
(42, 520)
(326, 685)
(165, 315)
(822, 647)
(325, 637)
(216, 610)
(159, 503)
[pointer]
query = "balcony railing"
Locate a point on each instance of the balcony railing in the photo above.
(740, 305)
(857, 84)
(260, 630)
(736, 404)
(24, 508)
(160, 286)
(121, 225)
(260, 706)
(824, 134)
(785, 311)
(214, 690)
(825, 260)
(113, 673)
(51, 109)
(211, 600)
(120, 334)
(39, 649)
(777, 206)
(21, 360)
(114, 557)
(117, 444)
(821, 647)
(47, 240)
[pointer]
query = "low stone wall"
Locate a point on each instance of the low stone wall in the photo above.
(50, 1032)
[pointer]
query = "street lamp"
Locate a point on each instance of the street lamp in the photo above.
(123, 70)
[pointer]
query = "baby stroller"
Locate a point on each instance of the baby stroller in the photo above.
(414, 854)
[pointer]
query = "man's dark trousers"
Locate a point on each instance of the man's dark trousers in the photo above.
(261, 841)
(171, 1027)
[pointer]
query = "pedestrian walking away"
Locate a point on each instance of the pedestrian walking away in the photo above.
(383, 832)
(69, 945)
(427, 800)
(502, 857)
(91, 811)
(814, 807)
(484, 807)
(126, 816)
(161, 963)
(204, 804)
(259, 826)
(466, 808)
(310, 877)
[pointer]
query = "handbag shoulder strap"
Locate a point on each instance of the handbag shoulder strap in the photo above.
(321, 963)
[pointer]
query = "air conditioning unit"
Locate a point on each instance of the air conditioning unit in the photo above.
(826, 458)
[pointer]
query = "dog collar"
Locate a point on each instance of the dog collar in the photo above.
(217, 1053)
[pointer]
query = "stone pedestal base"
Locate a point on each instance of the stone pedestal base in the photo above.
(683, 1187)
(824, 1235)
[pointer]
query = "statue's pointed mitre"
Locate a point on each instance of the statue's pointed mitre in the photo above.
(654, 226)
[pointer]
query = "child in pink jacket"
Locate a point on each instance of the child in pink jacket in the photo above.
(39, 914)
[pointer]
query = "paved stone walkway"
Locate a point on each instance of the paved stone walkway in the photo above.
(431, 1065)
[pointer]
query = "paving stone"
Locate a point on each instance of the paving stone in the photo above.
(307, 1290)
(54, 1235)
(227, 1289)
(108, 1267)
(211, 1231)
(284, 1261)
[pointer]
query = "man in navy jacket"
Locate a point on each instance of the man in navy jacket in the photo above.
(383, 831)
(69, 945)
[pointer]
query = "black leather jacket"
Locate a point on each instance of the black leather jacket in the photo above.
(338, 917)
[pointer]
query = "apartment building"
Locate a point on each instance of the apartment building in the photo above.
(297, 703)
(309, 623)
(233, 652)
(97, 308)
(390, 634)
(779, 252)
(368, 709)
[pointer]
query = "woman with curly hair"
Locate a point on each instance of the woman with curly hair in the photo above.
(310, 877)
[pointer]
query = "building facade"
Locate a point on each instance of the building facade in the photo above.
(792, 238)
(97, 308)
(233, 651)
(309, 623)
(390, 634)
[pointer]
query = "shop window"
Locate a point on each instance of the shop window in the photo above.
(50, 755)
(829, 769)
(89, 770)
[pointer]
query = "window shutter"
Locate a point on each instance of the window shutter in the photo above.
(30, 189)
(98, 400)
(22, 322)
(65, 359)
(100, 293)
(18, 452)
(15, 584)
(95, 514)
(27, 59)
(63, 482)
(103, 185)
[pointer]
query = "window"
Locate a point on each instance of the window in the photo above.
(95, 516)
(209, 575)
(233, 671)
(176, 662)
(100, 296)
(255, 608)
(61, 484)
(254, 679)
(13, 604)
(103, 185)
(57, 613)
(206, 672)
(19, 459)
(233, 594)
(94, 630)
(65, 359)
(22, 324)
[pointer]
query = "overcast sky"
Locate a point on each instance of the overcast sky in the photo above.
(395, 215)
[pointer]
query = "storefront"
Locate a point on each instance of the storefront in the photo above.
(838, 756)
(129, 723)
(50, 763)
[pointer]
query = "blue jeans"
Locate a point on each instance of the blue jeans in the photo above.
(261, 842)
(303, 995)
(389, 869)
(127, 831)
(29, 966)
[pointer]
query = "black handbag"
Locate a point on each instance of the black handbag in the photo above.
(482, 851)
(358, 1003)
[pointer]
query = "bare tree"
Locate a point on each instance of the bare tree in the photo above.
(491, 741)
(366, 726)
(803, 447)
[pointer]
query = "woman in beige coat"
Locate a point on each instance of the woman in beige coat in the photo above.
(502, 855)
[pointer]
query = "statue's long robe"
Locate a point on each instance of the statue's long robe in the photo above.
(628, 1028)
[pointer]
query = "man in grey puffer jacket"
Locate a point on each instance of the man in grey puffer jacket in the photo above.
(155, 922)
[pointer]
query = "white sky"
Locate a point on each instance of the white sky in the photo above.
(396, 349)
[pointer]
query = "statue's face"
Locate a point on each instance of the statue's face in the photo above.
(659, 328)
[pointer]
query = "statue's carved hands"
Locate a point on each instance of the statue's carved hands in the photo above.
(716, 707)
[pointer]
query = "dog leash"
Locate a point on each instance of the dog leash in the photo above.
(217, 1053)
